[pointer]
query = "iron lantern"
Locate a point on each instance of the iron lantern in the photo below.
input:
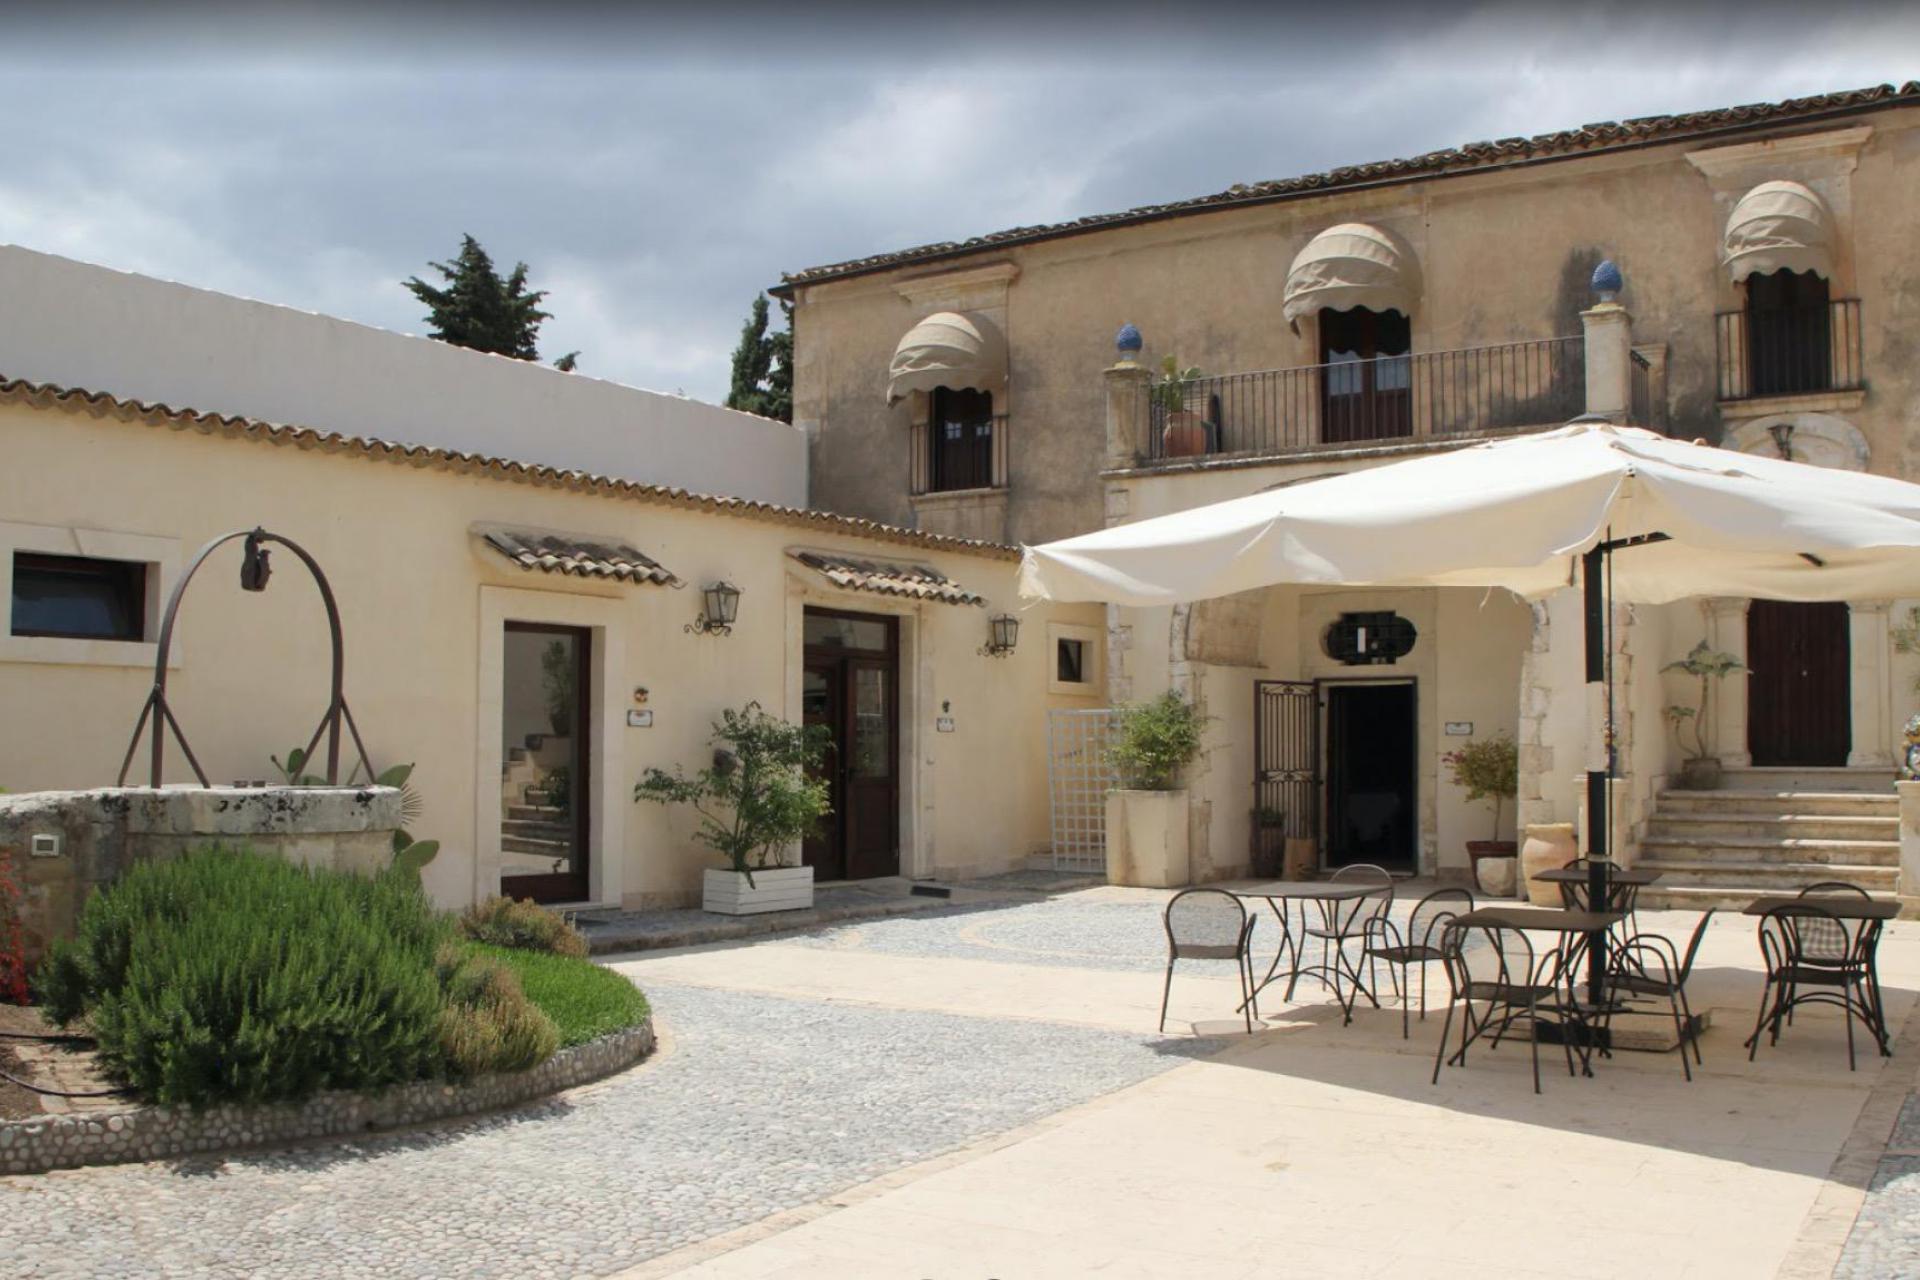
(1003, 633)
(722, 607)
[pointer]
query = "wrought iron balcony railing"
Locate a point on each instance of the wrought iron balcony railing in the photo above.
(954, 456)
(1789, 351)
(1429, 394)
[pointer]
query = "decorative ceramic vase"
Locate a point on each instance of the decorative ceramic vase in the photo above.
(1185, 436)
(1548, 845)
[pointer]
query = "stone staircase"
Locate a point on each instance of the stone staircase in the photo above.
(1772, 831)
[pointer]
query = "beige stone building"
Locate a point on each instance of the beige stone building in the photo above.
(1763, 281)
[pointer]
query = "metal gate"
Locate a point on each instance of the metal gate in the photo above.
(1078, 779)
(1286, 755)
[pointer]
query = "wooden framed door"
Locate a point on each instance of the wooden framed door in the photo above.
(546, 761)
(1799, 692)
(851, 687)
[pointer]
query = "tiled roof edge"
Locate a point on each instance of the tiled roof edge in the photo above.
(102, 404)
(1560, 145)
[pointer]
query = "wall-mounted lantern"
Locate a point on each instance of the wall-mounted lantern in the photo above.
(723, 606)
(1003, 633)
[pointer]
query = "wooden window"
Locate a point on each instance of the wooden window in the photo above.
(960, 439)
(1789, 334)
(78, 597)
(1368, 389)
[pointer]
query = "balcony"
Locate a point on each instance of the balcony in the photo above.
(1429, 395)
(957, 457)
(1765, 353)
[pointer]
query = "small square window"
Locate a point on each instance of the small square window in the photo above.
(78, 597)
(1070, 661)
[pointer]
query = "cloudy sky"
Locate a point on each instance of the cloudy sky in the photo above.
(655, 173)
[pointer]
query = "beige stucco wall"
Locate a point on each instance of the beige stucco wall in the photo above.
(1506, 256)
(422, 603)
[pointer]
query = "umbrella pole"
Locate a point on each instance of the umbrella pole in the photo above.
(1599, 759)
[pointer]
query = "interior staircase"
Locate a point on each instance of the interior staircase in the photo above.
(1772, 831)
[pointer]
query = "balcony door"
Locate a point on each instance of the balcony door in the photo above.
(850, 687)
(1789, 334)
(1367, 375)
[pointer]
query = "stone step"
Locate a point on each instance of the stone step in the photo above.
(1723, 897)
(1772, 849)
(535, 813)
(535, 845)
(1804, 803)
(536, 830)
(1807, 779)
(1784, 877)
(1713, 825)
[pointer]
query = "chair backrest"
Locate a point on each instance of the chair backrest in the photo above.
(1693, 946)
(1205, 923)
(1804, 933)
(1367, 873)
(1508, 956)
(1835, 888)
(1433, 913)
(1573, 894)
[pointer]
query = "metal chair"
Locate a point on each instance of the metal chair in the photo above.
(1417, 944)
(1342, 921)
(1635, 971)
(1804, 945)
(1210, 924)
(1835, 888)
(1511, 979)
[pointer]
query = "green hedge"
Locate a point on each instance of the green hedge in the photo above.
(223, 975)
(584, 1000)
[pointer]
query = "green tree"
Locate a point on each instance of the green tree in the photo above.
(479, 309)
(763, 366)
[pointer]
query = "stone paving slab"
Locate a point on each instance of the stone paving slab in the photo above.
(758, 1104)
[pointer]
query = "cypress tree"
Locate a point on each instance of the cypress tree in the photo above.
(763, 366)
(479, 309)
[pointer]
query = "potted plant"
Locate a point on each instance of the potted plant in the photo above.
(1700, 769)
(756, 799)
(1147, 813)
(1185, 433)
(1489, 770)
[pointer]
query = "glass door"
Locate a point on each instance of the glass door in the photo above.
(851, 686)
(545, 762)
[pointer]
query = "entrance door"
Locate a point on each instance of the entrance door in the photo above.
(545, 764)
(1799, 696)
(1370, 774)
(851, 686)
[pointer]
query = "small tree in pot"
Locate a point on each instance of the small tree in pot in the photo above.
(757, 797)
(1700, 770)
(1489, 770)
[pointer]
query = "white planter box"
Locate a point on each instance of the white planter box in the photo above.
(727, 893)
(1147, 839)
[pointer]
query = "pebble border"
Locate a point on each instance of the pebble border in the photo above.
(165, 1133)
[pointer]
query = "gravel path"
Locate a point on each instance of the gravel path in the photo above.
(1885, 1243)
(763, 1104)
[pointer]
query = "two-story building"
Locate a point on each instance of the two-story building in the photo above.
(1338, 321)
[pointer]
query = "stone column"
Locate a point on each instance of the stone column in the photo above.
(1127, 415)
(1608, 328)
(1872, 684)
(1727, 632)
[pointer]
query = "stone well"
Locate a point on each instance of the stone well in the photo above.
(64, 844)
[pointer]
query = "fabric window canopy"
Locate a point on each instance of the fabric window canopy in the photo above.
(1779, 226)
(1518, 514)
(960, 349)
(1354, 264)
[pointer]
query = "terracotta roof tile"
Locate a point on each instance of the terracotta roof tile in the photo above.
(915, 581)
(580, 557)
(1564, 144)
(103, 405)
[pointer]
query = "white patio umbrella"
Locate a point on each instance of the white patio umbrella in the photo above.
(1532, 514)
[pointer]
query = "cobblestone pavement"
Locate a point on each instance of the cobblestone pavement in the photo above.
(1885, 1242)
(762, 1104)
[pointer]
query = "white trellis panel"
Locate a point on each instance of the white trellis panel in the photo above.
(1078, 779)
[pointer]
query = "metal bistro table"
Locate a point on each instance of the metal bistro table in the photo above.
(1588, 926)
(1280, 895)
(1845, 906)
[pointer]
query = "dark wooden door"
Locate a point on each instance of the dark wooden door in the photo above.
(1370, 775)
(547, 767)
(1367, 379)
(1798, 692)
(852, 688)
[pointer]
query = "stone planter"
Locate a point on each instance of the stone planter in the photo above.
(1548, 845)
(1494, 868)
(1147, 839)
(1302, 860)
(1701, 773)
(728, 893)
(1268, 845)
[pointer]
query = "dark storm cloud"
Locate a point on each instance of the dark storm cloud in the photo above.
(656, 170)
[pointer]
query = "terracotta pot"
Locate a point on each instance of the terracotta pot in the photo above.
(1549, 845)
(1185, 435)
(1494, 866)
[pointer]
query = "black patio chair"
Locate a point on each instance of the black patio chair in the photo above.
(1647, 964)
(1814, 957)
(1514, 983)
(1344, 920)
(1417, 944)
(1835, 888)
(1210, 924)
